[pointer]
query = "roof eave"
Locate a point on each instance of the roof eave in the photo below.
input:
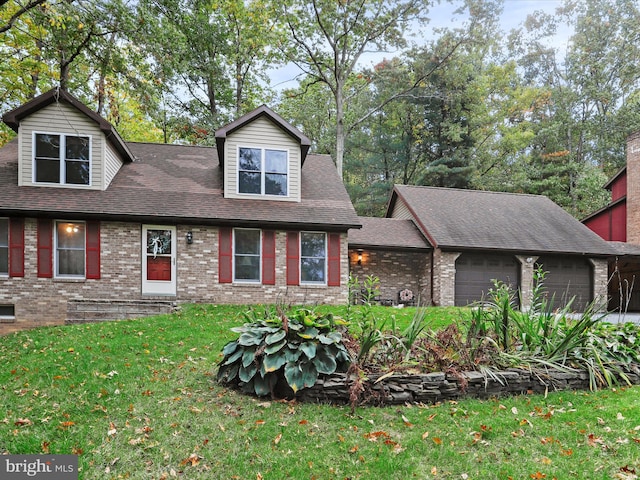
(179, 220)
(400, 248)
(523, 251)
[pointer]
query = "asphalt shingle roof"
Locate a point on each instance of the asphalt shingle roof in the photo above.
(471, 219)
(182, 183)
(387, 233)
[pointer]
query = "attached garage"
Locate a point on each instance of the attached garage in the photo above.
(568, 277)
(475, 273)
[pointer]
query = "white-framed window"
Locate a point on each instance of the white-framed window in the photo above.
(247, 255)
(4, 246)
(263, 171)
(70, 248)
(313, 257)
(61, 159)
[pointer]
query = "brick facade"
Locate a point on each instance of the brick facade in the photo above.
(45, 301)
(444, 278)
(633, 188)
(600, 280)
(396, 270)
(527, 267)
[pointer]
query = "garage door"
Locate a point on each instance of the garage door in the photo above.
(475, 272)
(567, 278)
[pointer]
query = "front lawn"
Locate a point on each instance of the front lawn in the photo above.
(137, 399)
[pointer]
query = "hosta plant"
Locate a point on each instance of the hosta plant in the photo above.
(293, 348)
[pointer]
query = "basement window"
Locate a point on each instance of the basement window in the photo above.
(7, 314)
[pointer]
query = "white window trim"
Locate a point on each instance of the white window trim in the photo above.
(63, 138)
(326, 272)
(263, 172)
(55, 251)
(244, 280)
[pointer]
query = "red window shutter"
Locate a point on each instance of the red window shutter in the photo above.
(93, 250)
(293, 259)
(268, 257)
(333, 255)
(45, 248)
(16, 247)
(225, 255)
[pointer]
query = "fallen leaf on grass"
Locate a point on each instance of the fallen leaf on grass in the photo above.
(22, 422)
(396, 447)
(592, 441)
(65, 425)
(193, 460)
(626, 469)
(276, 440)
(373, 436)
(406, 421)
(437, 440)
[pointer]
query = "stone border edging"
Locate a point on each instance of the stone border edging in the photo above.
(437, 387)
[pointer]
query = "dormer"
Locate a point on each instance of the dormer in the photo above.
(261, 156)
(64, 144)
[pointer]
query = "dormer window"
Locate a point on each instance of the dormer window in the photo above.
(62, 159)
(263, 171)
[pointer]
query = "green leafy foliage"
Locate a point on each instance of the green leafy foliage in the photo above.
(274, 347)
(543, 336)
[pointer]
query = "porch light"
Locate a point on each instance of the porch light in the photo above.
(189, 238)
(359, 257)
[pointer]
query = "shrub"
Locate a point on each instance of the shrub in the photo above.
(273, 348)
(545, 337)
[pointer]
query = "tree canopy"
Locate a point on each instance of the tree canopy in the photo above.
(464, 106)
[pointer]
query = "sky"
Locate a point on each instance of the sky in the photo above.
(514, 13)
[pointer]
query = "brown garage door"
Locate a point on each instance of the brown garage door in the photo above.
(566, 278)
(475, 274)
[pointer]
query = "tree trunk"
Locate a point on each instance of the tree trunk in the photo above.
(339, 126)
(64, 73)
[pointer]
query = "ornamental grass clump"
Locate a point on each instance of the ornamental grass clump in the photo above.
(276, 351)
(544, 336)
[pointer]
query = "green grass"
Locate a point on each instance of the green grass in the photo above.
(138, 399)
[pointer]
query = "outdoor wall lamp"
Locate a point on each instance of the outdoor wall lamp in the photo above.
(359, 257)
(189, 238)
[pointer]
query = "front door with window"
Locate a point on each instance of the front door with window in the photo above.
(158, 260)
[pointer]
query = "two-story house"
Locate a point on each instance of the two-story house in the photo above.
(93, 227)
(619, 223)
